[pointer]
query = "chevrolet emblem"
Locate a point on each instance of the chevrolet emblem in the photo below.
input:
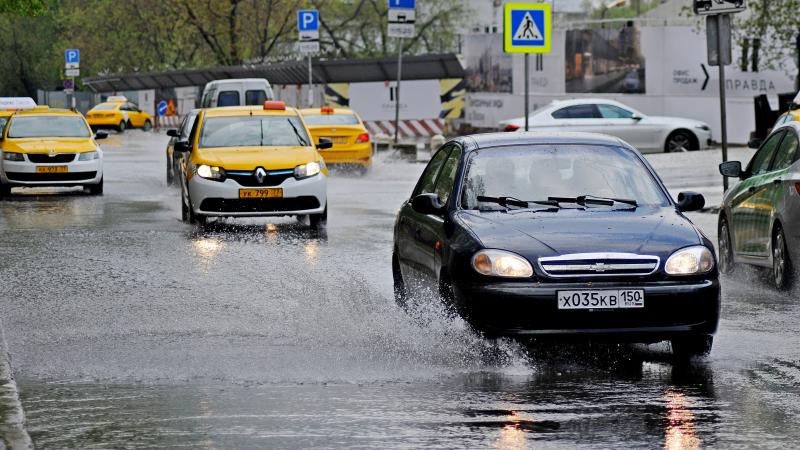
(599, 267)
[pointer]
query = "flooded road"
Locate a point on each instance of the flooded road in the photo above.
(128, 328)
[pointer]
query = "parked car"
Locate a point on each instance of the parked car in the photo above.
(236, 92)
(179, 134)
(559, 235)
(119, 114)
(759, 216)
(646, 133)
(351, 142)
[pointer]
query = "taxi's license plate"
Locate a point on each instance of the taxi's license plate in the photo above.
(337, 139)
(601, 299)
(52, 169)
(261, 193)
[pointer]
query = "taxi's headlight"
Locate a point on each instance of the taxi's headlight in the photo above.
(690, 261)
(211, 172)
(307, 170)
(13, 156)
(499, 263)
(89, 156)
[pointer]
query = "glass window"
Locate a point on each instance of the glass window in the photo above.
(228, 98)
(428, 178)
(330, 119)
(536, 172)
(186, 127)
(447, 177)
(253, 131)
(48, 126)
(132, 107)
(577, 112)
(3, 122)
(105, 107)
(762, 159)
(255, 97)
(787, 154)
(614, 112)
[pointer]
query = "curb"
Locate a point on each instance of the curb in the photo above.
(13, 435)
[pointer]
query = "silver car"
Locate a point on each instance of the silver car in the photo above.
(758, 221)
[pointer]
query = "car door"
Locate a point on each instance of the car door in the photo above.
(411, 252)
(584, 117)
(620, 122)
(432, 232)
(750, 209)
(779, 190)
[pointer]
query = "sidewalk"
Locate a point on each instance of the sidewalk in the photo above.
(12, 418)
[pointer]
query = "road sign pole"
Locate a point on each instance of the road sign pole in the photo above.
(397, 90)
(527, 89)
(310, 84)
(722, 111)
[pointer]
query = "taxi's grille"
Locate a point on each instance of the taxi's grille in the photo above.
(273, 178)
(599, 265)
(222, 205)
(44, 158)
(71, 176)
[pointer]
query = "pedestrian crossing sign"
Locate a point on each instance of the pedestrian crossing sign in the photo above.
(527, 28)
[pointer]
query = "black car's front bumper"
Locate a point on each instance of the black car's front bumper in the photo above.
(671, 310)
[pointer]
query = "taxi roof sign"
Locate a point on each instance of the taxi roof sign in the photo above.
(527, 28)
(17, 103)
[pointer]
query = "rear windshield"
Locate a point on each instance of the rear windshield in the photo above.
(105, 106)
(253, 131)
(48, 126)
(331, 119)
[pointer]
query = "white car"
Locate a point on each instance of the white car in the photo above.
(646, 133)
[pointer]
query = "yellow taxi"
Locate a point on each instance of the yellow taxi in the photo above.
(50, 147)
(247, 161)
(351, 142)
(793, 115)
(9, 105)
(119, 114)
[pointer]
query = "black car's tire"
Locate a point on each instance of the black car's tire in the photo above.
(122, 126)
(95, 189)
(782, 270)
(399, 285)
(680, 141)
(147, 126)
(5, 190)
(725, 245)
(693, 346)
(318, 221)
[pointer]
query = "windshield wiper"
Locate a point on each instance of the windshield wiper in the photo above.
(511, 201)
(297, 133)
(584, 200)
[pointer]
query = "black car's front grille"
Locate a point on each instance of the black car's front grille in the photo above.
(598, 265)
(270, 178)
(256, 205)
(44, 158)
(44, 177)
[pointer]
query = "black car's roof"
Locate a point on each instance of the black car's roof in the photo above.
(488, 140)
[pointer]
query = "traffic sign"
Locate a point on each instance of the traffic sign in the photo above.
(69, 86)
(709, 7)
(72, 55)
(72, 72)
(402, 16)
(308, 30)
(405, 4)
(72, 65)
(161, 109)
(527, 28)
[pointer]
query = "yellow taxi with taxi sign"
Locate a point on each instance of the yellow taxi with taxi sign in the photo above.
(345, 129)
(119, 114)
(50, 147)
(251, 161)
(9, 105)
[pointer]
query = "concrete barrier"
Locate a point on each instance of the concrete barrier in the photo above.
(13, 435)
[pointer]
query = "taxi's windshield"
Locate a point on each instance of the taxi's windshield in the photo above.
(330, 119)
(48, 126)
(105, 106)
(253, 131)
(539, 172)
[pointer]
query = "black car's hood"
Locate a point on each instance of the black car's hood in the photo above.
(645, 230)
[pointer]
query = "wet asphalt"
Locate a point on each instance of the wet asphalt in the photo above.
(129, 329)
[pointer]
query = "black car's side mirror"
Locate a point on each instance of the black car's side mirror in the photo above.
(731, 169)
(324, 143)
(101, 135)
(182, 146)
(691, 201)
(427, 204)
(172, 132)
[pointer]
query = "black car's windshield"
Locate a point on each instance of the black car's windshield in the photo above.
(48, 126)
(542, 173)
(253, 131)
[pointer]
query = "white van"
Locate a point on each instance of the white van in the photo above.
(236, 92)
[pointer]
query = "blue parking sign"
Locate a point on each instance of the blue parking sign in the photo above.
(72, 55)
(404, 4)
(308, 20)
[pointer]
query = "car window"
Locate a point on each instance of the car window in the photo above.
(3, 122)
(253, 131)
(124, 108)
(330, 119)
(447, 176)
(255, 97)
(48, 126)
(614, 112)
(577, 112)
(186, 126)
(787, 154)
(104, 107)
(428, 178)
(228, 98)
(761, 161)
(132, 107)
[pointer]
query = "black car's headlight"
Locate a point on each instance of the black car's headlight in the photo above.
(13, 156)
(500, 263)
(307, 170)
(211, 172)
(690, 261)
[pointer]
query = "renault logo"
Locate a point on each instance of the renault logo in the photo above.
(52, 153)
(260, 175)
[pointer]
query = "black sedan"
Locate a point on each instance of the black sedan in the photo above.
(557, 235)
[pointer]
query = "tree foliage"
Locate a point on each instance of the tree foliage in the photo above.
(769, 30)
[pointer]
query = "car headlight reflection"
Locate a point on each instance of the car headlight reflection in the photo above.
(211, 172)
(500, 263)
(88, 156)
(307, 170)
(13, 156)
(690, 261)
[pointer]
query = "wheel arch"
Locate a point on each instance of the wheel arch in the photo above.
(692, 135)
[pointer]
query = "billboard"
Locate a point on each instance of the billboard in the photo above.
(604, 60)
(487, 68)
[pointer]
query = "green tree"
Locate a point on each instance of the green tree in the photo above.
(767, 33)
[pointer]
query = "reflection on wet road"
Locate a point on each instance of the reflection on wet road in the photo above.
(128, 328)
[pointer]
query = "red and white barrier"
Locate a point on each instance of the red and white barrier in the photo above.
(422, 128)
(168, 121)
